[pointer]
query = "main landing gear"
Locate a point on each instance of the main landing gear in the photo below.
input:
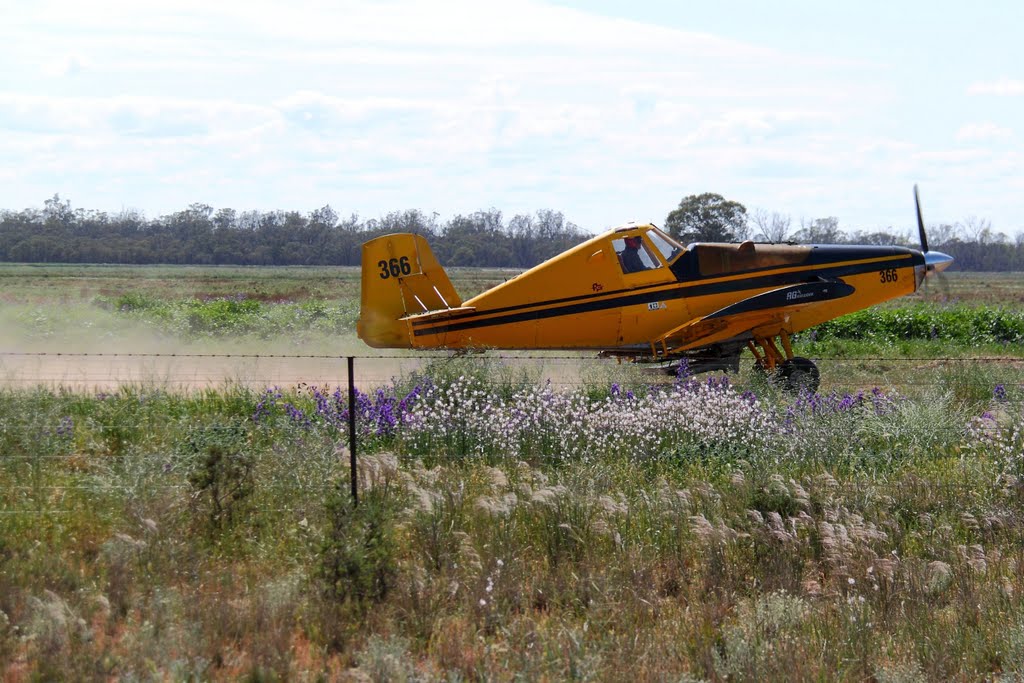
(792, 373)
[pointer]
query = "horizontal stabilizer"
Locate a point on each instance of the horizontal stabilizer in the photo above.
(437, 315)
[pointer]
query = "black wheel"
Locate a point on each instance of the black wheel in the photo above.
(798, 374)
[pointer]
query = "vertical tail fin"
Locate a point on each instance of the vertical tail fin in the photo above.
(400, 276)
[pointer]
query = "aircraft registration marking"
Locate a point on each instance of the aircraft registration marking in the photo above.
(395, 267)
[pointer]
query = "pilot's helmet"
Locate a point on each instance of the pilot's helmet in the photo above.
(633, 242)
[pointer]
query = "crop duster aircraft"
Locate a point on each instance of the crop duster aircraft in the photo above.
(635, 292)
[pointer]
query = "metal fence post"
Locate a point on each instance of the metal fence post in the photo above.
(352, 428)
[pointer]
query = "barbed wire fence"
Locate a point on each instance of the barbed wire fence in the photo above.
(210, 366)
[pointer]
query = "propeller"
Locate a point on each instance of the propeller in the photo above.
(934, 261)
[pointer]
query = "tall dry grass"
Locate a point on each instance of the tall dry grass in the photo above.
(151, 534)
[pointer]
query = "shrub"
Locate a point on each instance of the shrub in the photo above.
(357, 555)
(221, 471)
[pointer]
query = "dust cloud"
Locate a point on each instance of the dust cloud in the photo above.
(57, 347)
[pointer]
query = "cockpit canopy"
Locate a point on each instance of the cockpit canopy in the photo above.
(645, 247)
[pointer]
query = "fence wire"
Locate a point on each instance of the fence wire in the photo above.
(86, 371)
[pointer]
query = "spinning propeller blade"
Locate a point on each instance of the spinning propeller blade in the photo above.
(935, 261)
(920, 222)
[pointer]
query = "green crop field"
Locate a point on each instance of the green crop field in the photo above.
(548, 517)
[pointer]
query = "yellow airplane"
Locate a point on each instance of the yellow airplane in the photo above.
(635, 292)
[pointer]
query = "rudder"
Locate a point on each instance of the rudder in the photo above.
(400, 276)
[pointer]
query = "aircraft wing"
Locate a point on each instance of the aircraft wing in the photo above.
(768, 311)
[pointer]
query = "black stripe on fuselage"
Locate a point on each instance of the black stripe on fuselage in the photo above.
(686, 272)
(657, 292)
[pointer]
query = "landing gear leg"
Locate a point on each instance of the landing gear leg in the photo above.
(792, 373)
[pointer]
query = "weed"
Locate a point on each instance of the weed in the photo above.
(387, 660)
(357, 556)
(220, 467)
(763, 640)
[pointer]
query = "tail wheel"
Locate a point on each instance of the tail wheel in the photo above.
(796, 374)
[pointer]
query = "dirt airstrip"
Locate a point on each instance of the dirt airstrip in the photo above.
(100, 371)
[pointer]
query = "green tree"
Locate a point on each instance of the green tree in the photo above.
(58, 211)
(820, 231)
(707, 217)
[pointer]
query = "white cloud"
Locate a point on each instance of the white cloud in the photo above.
(70, 65)
(326, 113)
(1004, 87)
(448, 105)
(976, 132)
(128, 115)
(469, 24)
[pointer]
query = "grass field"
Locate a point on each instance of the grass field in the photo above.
(554, 519)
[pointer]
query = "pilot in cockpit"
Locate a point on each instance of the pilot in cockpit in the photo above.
(630, 256)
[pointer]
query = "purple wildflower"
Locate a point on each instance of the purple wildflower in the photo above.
(266, 404)
(720, 383)
(66, 426)
(296, 415)
(406, 404)
(846, 403)
(683, 373)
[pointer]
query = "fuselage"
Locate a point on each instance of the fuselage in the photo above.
(584, 299)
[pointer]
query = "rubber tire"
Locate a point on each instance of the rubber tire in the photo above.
(798, 374)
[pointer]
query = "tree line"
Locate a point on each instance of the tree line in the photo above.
(709, 217)
(202, 235)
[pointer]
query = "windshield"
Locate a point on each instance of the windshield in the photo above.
(668, 247)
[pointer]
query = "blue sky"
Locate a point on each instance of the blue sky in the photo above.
(606, 111)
